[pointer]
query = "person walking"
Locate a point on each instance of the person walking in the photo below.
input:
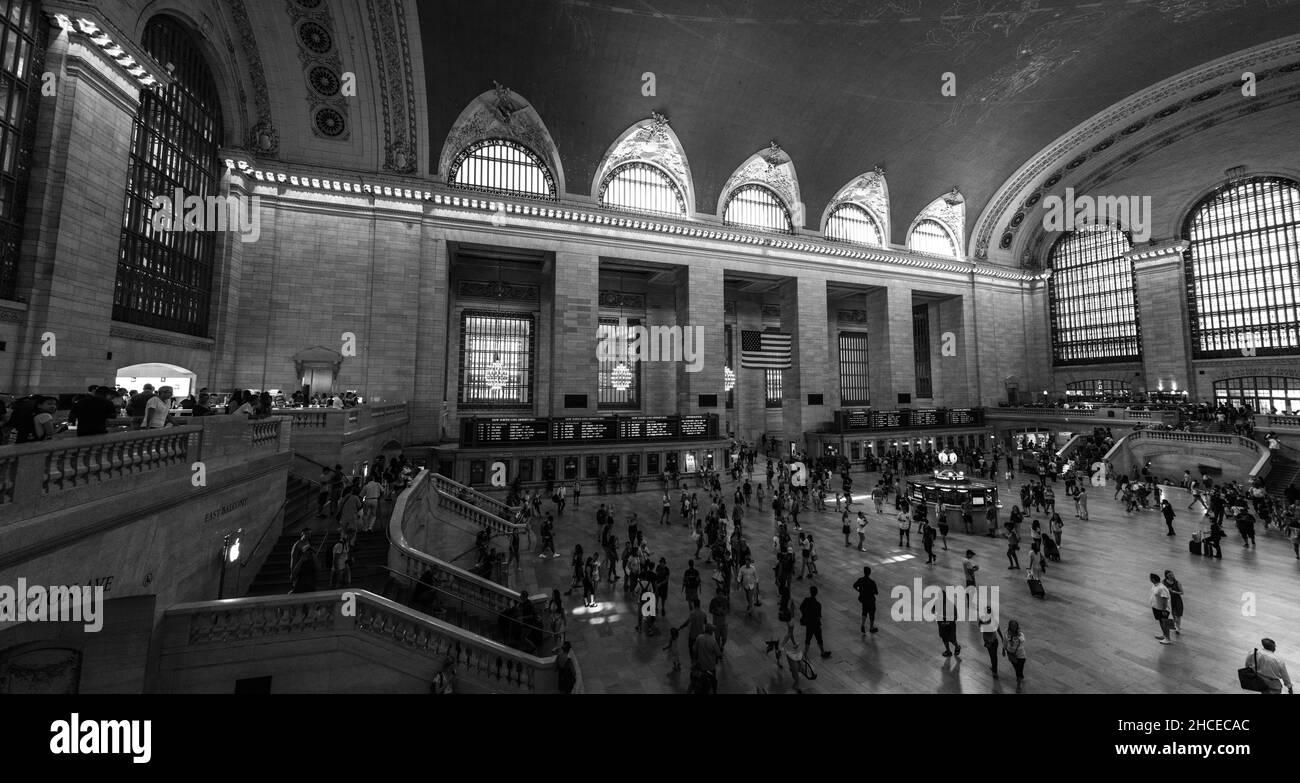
(1081, 503)
(1293, 532)
(844, 526)
(991, 517)
(862, 531)
(1212, 541)
(1167, 511)
(302, 565)
(1175, 602)
(691, 583)
(968, 569)
(1058, 527)
(905, 529)
(1160, 607)
(590, 575)
(1013, 546)
(1037, 565)
(1270, 667)
(707, 654)
(1246, 526)
(1014, 650)
(991, 634)
(747, 577)
(719, 608)
(927, 540)
(694, 625)
(810, 617)
(867, 592)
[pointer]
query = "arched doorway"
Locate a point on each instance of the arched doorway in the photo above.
(134, 377)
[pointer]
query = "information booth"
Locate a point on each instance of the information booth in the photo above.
(949, 489)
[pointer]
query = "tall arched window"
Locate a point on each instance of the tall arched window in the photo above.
(501, 166)
(23, 40)
(754, 206)
(642, 187)
(929, 236)
(849, 222)
(164, 269)
(1093, 306)
(1243, 269)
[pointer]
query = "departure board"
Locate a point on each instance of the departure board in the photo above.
(961, 416)
(606, 429)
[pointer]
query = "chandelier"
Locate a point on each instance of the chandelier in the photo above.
(621, 377)
(728, 379)
(497, 376)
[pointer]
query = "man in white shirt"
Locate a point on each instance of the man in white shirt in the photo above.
(1272, 670)
(1160, 607)
(158, 409)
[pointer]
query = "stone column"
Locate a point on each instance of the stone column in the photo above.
(1162, 309)
(575, 317)
(950, 354)
(751, 408)
(803, 315)
(889, 344)
(74, 218)
(700, 309)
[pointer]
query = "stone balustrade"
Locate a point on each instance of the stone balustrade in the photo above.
(67, 471)
(192, 631)
(474, 497)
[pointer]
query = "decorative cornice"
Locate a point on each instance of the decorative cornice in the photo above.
(852, 316)
(1158, 250)
(85, 22)
(144, 334)
(445, 198)
(500, 113)
(12, 315)
(619, 299)
(492, 289)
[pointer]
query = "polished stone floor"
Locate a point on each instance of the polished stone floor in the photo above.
(1093, 633)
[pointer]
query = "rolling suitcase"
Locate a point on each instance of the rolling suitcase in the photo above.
(1036, 588)
(1194, 546)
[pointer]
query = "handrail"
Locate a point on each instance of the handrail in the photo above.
(1263, 466)
(483, 591)
(499, 616)
(479, 515)
(446, 484)
(265, 530)
(275, 617)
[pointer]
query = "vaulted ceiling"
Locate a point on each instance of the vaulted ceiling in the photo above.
(841, 86)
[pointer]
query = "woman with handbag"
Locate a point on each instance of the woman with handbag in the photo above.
(1014, 649)
(1175, 601)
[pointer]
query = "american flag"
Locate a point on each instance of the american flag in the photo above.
(765, 350)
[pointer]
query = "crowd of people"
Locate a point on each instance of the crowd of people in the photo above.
(36, 417)
(721, 574)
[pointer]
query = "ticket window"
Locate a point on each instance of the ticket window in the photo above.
(692, 465)
(634, 464)
(652, 464)
(570, 468)
(708, 459)
(477, 470)
(526, 470)
(593, 466)
(855, 452)
(672, 464)
(548, 468)
(613, 464)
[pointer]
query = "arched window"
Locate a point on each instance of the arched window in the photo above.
(501, 166)
(1243, 270)
(1093, 307)
(849, 222)
(641, 187)
(929, 236)
(164, 268)
(24, 40)
(754, 206)
(1099, 390)
(1262, 393)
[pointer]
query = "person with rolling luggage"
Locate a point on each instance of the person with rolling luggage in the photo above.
(1036, 567)
(1050, 550)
